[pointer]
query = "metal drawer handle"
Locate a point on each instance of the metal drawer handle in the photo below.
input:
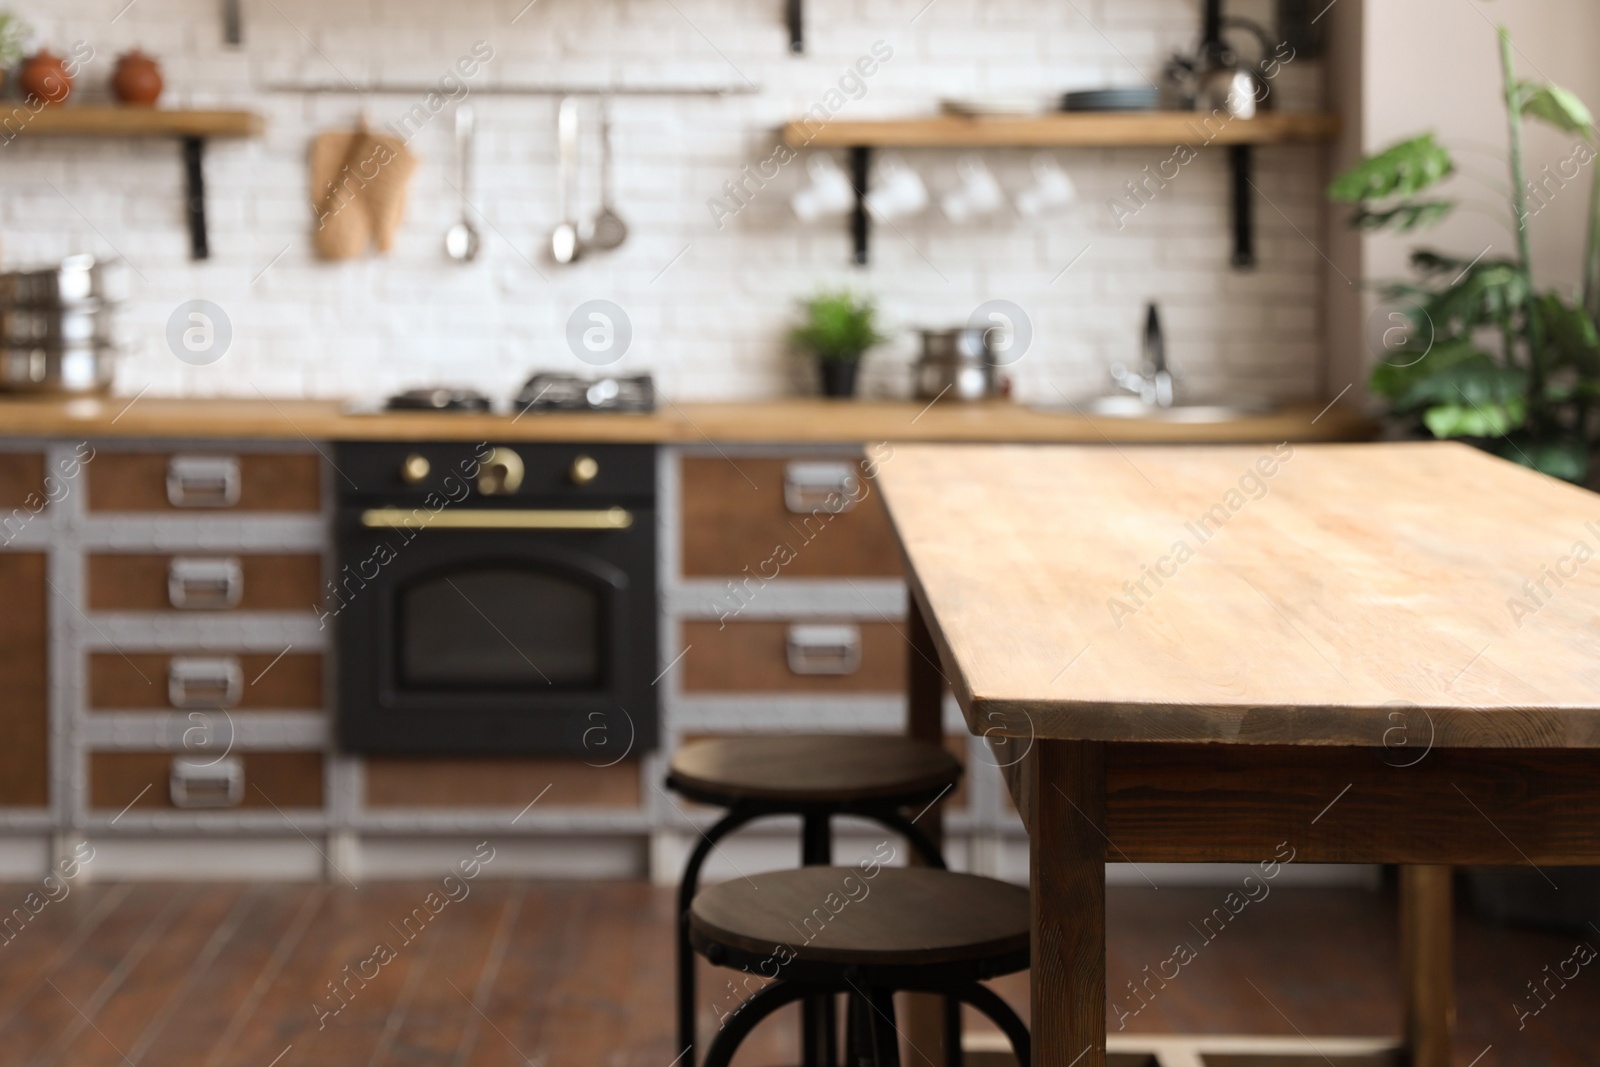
(206, 784)
(828, 487)
(204, 681)
(824, 649)
(205, 584)
(498, 519)
(203, 481)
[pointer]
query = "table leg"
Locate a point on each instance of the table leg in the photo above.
(1426, 949)
(1068, 852)
(922, 1021)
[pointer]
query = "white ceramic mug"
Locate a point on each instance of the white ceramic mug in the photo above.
(1051, 188)
(829, 194)
(899, 190)
(978, 194)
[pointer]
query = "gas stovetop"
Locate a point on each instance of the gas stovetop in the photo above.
(568, 392)
(542, 392)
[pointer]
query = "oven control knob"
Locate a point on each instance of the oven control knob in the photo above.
(414, 469)
(501, 473)
(584, 470)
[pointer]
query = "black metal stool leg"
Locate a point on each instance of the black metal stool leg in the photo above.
(913, 833)
(818, 1019)
(987, 1001)
(686, 891)
(741, 1022)
(885, 1035)
(953, 1056)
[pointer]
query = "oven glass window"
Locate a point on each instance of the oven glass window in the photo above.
(501, 627)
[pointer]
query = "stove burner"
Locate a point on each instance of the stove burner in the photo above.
(568, 392)
(438, 400)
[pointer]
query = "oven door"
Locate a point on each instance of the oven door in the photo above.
(477, 641)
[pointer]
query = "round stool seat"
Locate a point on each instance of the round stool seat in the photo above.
(816, 920)
(811, 768)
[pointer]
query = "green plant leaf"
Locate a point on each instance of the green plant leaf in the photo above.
(1569, 335)
(1486, 293)
(1565, 458)
(1404, 170)
(1474, 420)
(1404, 217)
(837, 327)
(1556, 106)
(1453, 370)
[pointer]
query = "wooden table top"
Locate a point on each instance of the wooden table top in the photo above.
(786, 421)
(1369, 595)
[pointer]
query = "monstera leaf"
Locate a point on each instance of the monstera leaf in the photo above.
(1486, 292)
(1566, 458)
(1402, 170)
(1452, 371)
(1475, 420)
(1556, 106)
(1570, 336)
(1404, 218)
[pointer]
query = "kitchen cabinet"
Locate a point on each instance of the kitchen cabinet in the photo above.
(205, 581)
(800, 656)
(205, 479)
(136, 681)
(143, 781)
(760, 517)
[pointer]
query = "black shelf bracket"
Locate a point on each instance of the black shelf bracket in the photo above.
(794, 15)
(232, 23)
(194, 191)
(860, 225)
(1241, 158)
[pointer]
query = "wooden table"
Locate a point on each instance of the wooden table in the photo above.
(1261, 655)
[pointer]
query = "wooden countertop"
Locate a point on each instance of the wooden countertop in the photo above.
(771, 421)
(1308, 595)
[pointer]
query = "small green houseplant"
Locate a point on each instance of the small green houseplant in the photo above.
(14, 33)
(837, 331)
(1481, 354)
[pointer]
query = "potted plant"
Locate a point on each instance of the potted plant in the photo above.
(1482, 355)
(13, 42)
(837, 331)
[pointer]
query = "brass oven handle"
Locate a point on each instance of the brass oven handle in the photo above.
(506, 519)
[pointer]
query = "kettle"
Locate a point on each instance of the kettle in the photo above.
(1216, 78)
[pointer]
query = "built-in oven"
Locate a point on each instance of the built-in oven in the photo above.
(495, 599)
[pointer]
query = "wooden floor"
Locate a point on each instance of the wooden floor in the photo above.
(565, 975)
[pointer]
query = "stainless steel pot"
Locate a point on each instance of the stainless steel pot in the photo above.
(955, 365)
(78, 281)
(77, 368)
(28, 327)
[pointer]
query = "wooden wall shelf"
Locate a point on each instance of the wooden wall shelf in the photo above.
(192, 128)
(1065, 130)
(1162, 129)
(67, 120)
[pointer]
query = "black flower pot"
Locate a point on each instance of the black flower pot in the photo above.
(838, 376)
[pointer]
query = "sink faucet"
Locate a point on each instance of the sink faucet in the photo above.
(1153, 383)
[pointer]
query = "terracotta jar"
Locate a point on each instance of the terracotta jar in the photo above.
(44, 77)
(137, 79)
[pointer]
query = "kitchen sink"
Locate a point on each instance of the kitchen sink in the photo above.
(1131, 407)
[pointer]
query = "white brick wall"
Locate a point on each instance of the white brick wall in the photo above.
(711, 325)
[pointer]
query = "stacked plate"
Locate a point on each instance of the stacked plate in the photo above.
(56, 326)
(977, 106)
(1141, 98)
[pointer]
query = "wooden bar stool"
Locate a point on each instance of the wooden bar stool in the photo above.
(814, 776)
(867, 932)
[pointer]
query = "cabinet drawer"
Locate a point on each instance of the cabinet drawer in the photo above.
(21, 480)
(128, 582)
(24, 681)
(144, 780)
(767, 656)
(799, 518)
(190, 481)
(399, 782)
(243, 682)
